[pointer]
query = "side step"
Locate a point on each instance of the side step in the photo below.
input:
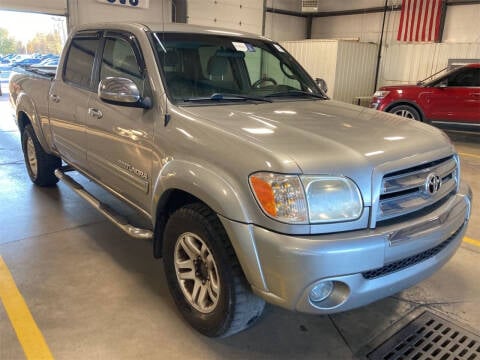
(106, 210)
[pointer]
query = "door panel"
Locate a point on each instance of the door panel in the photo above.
(67, 121)
(68, 99)
(120, 138)
(456, 98)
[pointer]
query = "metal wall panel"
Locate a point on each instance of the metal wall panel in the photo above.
(409, 63)
(348, 67)
(355, 71)
(283, 27)
(318, 57)
(245, 15)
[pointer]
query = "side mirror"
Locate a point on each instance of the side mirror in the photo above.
(442, 85)
(122, 91)
(322, 84)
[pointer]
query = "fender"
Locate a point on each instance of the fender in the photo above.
(25, 104)
(215, 188)
(223, 195)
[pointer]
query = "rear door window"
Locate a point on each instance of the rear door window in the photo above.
(80, 59)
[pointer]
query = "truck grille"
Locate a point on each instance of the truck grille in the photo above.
(409, 190)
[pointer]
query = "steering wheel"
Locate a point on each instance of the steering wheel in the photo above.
(257, 83)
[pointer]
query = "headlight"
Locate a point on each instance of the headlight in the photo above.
(299, 199)
(381, 93)
(332, 199)
(280, 196)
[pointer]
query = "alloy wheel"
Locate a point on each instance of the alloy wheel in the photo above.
(32, 157)
(197, 272)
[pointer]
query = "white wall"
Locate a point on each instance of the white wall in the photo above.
(53, 7)
(408, 63)
(292, 5)
(318, 57)
(340, 5)
(461, 25)
(284, 27)
(348, 67)
(92, 11)
(245, 15)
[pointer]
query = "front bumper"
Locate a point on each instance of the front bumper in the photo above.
(364, 265)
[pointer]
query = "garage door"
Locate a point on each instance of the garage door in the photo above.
(54, 7)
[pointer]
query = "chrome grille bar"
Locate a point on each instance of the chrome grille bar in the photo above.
(417, 178)
(406, 191)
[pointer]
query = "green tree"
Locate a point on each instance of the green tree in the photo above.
(7, 43)
(45, 43)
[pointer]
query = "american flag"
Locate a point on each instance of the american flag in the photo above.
(420, 20)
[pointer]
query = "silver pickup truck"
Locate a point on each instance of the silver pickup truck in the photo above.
(256, 187)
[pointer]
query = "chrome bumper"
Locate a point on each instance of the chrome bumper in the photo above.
(364, 266)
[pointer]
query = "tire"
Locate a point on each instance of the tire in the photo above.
(40, 165)
(406, 111)
(212, 294)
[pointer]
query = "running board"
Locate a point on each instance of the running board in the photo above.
(103, 208)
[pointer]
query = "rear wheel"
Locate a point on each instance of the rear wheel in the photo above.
(204, 276)
(406, 111)
(40, 165)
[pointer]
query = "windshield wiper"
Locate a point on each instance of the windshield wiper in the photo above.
(228, 97)
(297, 93)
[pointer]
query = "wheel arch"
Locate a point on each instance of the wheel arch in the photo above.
(26, 113)
(183, 182)
(408, 103)
(22, 121)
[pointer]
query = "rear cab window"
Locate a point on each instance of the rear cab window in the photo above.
(79, 64)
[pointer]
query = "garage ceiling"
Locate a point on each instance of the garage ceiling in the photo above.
(53, 7)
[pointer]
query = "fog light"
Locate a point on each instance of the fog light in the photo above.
(321, 291)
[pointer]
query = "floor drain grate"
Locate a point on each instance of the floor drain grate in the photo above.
(429, 337)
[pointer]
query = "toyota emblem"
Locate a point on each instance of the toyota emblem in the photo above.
(433, 183)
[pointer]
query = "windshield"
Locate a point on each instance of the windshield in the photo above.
(207, 68)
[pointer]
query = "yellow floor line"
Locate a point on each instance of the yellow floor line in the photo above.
(471, 241)
(27, 331)
(471, 155)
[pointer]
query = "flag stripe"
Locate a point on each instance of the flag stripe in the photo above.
(439, 15)
(425, 17)
(400, 26)
(412, 22)
(420, 20)
(432, 16)
(407, 21)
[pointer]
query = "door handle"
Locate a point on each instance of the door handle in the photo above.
(95, 113)
(475, 95)
(55, 98)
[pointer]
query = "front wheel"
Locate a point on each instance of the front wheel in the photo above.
(40, 165)
(204, 276)
(406, 111)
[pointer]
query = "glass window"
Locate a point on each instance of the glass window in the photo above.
(81, 55)
(265, 69)
(465, 77)
(210, 67)
(119, 60)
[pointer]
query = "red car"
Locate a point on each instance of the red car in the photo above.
(449, 99)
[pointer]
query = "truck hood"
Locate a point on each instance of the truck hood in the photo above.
(324, 136)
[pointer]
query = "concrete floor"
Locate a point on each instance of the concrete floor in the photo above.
(95, 293)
